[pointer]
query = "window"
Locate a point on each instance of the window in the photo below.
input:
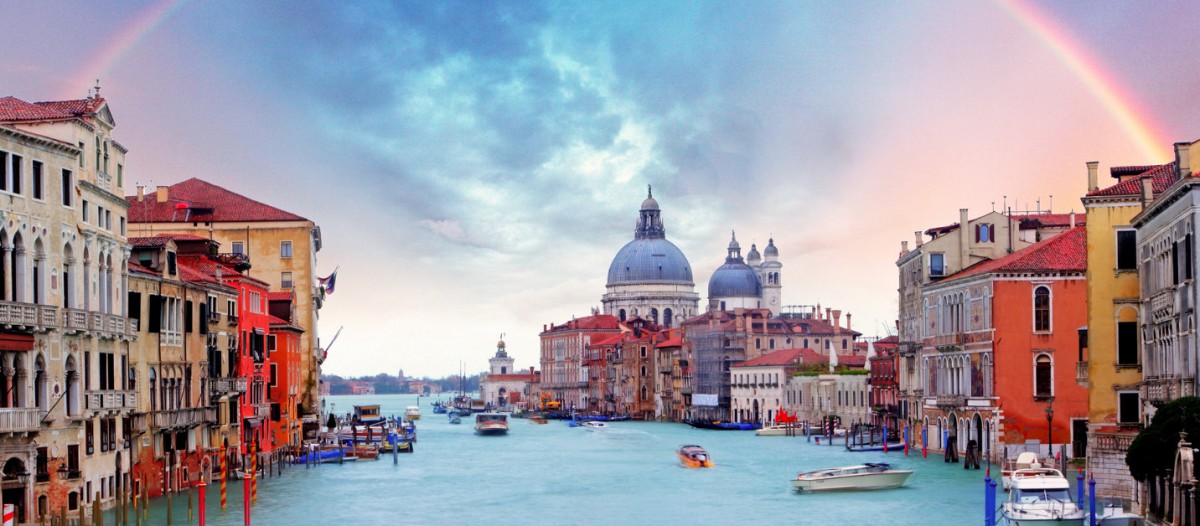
(1128, 408)
(122, 226)
(37, 180)
(171, 263)
(1126, 250)
(68, 186)
(16, 174)
(4, 171)
(285, 280)
(84, 209)
(937, 264)
(1127, 343)
(1042, 378)
(1041, 309)
(984, 233)
(285, 249)
(120, 175)
(238, 247)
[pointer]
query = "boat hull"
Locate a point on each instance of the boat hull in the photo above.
(491, 431)
(861, 482)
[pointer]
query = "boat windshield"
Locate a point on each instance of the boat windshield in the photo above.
(1033, 496)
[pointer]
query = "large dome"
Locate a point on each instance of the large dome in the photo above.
(650, 260)
(734, 280)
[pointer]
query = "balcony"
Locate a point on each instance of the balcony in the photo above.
(951, 401)
(112, 325)
(262, 411)
(75, 320)
(20, 420)
(110, 400)
(25, 315)
(666, 369)
(1081, 373)
(173, 419)
(220, 386)
(214, 317)
(237, 260)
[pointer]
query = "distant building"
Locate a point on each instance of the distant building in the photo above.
(504, 387)
(564, 378)
(361, 388)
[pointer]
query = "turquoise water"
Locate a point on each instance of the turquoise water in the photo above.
(627, 474)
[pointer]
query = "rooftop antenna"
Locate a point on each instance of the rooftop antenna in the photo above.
(1051, 209)
(993, 206)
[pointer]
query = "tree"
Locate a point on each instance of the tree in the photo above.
(1153, 450)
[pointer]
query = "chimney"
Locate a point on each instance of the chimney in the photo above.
(837, 320)
(1092, 166)
(903, 247)
(964, 240)
(141, 193)
(161, 194)
(827, 310)
(1072, 218)
(920, 238)
(1147, 190)
(847, 322)
(1183, 162)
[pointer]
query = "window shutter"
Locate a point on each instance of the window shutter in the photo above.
(976, 233)
(187, 316)
(154, 320)
(203, 318)
(135, 306)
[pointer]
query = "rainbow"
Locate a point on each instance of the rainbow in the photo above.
(1131, 117)
(110, 55)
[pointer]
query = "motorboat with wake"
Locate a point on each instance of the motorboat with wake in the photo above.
(693, 456)
(869, 476)
(491, 424)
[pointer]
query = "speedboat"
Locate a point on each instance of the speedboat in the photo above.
(877, 475)
(595, 426)
(537, 419)
(1040, 496)
(455, 419)
(1026, 460)
(693, 456)
(778, 431)
(491, 424)
(439, 408)
(412, 412)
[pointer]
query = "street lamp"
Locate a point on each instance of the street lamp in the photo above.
(1049, 425)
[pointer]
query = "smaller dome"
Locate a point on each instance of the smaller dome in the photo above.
(771, 251)
(733, 244)
(753, 257)
(734, 280)
(649, 203)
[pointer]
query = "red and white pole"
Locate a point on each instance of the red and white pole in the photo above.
(202, 486)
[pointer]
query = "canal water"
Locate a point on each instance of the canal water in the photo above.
(555, 474)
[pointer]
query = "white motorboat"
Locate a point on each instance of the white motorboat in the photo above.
(1026, 460)
(595, 426)
(779, 430)
(1040, 496)
(861, 477)
(412, 412)
(491, 424)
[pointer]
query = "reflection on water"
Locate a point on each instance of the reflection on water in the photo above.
(554, 474)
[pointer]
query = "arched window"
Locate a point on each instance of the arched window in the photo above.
(806, 343)
(40, 397)
(1041, 309)
(72, 378)
(771, 343)
(643, 371)
(654, 315)
(621, 314)
(668, 319)
(758, 343)
(1043, 379)
(153, 395)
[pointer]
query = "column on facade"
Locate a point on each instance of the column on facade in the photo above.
(8, 271)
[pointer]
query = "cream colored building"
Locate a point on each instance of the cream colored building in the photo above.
(65, 338)
(281, 248)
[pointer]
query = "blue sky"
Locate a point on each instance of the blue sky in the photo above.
(475, 165)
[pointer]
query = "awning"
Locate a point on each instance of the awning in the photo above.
(16, 342)
(253, 421)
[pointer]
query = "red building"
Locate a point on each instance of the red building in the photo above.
(564, 378)
(885, 387)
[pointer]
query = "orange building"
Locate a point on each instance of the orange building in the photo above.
(283, 384)
(1001, 346)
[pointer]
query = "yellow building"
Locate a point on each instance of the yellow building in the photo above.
(1111, 369)
(280, 247)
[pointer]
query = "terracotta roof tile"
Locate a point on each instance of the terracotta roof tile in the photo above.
(1066, 252)
(781, 357)
(1163, 176)
(197, 200)
(14, 109)
(1048, 220)
(149, 242)
(279, 295)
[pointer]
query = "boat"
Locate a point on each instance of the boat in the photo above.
(723, 425)
(538, 419)
(693, 456)
(366, 452)
(860, 448)
(1026, 460)
(868, 476)
(239, 474)
(491, 424)
(595, 426)
(439, 408)
(778, 431)
(1040, 496)
(367, 414)
(412, 412)
(455, 419)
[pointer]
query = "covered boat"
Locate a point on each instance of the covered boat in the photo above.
(693, 456)
(491, 424)
(1040, 496)
(868, 476)
(412, 412)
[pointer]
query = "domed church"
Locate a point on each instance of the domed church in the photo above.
(747, 284)
(650, 278)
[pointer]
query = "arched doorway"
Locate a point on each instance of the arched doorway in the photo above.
(502, 397)
(14, 480)
(754, 412)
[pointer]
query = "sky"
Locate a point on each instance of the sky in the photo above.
(474, 166)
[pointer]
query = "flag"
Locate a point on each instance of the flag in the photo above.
(328, 282)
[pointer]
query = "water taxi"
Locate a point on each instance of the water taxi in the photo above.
(491, 424)
(595, 426)
(537, 419)
(693, 456)
(861, 477)
(1040, 496)
(412, 412)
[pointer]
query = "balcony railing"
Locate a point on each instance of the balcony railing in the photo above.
(237, 260)
(20, 420)
(220, 386)
(262, 411)
(951, 400)
(110, 400)
(34, 316)
(176, 418)
(1081, 373)
(76, 319)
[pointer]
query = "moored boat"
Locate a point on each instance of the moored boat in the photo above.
(778, 431)
(1026, 460)
(439, 408)
(455, 419)
(869, 476)
(491, 424)
(537, 419)
(1040, 496)
(721, 425)
(412, 412)
(693, 456)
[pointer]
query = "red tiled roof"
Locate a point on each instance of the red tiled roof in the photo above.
(275, 320)
(608, 339)
(76, 107)
(279, 295)
(13, 109)
(136, 268)
(197, 200)
(1066, 252)
(1118, 172)
(208, 266)
(850, 360)
(183, 237)
(781, 357)
(1048, 220)
(1163, 176)
(593, 322)
(149, 242)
